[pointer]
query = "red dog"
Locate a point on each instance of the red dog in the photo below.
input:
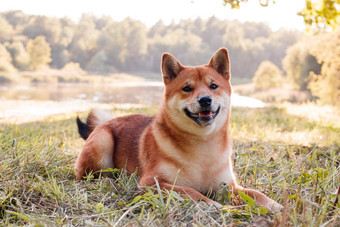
(188, 137)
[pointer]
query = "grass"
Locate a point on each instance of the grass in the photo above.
(37, 185)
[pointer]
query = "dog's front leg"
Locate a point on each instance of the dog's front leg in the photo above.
(183, 191)
(191, 193)
(259, 197)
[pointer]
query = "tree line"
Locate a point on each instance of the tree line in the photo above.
(102, 45)
(107, 46)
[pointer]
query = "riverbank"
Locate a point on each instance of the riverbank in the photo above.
(23, 111)
(62, 76)
(35, 102)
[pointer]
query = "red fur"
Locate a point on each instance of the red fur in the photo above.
(170, 145)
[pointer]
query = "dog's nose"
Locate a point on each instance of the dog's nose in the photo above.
(204, 101)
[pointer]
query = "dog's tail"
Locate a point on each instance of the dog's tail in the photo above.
(96, 117)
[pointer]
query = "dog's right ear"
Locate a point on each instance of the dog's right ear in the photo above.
(170, 67)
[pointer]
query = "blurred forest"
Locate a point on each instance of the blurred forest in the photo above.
(104, 46)
(107, 46)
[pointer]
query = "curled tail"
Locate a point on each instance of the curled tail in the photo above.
(96, 117)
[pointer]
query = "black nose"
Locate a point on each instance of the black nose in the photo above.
(204, 101)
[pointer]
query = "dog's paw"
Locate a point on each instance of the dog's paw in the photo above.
(215, 204)
(274, 206)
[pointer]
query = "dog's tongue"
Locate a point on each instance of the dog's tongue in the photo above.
(205, 114)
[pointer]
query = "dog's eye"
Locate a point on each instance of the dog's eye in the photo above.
(187, 89)
(213, 86)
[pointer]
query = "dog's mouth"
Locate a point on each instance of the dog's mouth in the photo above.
(203, 118)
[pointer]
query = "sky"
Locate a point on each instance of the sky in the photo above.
(280, 14)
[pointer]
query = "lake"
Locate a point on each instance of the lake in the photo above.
(23, 103)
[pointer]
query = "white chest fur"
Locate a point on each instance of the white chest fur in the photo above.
(202, 166)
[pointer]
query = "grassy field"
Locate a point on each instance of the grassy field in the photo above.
(291, 158)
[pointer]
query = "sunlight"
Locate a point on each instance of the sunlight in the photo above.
(279, 129)
(280, 14)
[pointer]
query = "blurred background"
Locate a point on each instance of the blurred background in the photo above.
(61, 56)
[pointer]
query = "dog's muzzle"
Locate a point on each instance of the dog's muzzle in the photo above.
(203, 118)
(205, 115)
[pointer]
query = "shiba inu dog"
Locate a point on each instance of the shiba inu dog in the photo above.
(185, 146)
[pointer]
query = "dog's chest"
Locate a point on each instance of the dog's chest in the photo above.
(204, 169)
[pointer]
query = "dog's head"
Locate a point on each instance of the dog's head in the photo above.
(197, 97)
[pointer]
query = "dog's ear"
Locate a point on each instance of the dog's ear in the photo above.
(220, 62)
(170, 67)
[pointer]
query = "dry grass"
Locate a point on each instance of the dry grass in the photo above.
(38, 186)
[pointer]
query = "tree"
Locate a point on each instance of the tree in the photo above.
(59, 50)
(6, 29)
(20, 57)
(136, 44)
(326, 85)
(278, 42)
(84, 43)
(45, 26)
(60, 56)
(99, 63)
(105, 45)
(321, 14)
(103, 22)
(73, 67)
(39, 51)
(157, 29)
(5, 60)
(125, 44)
(298, 63)
(16, 18)
(235, 4)
(267, 76)
(317, 15)
(67, 32)
(185, 45)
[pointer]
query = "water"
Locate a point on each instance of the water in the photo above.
(24, 103)
(132, 92)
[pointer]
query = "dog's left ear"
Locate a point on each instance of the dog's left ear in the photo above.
(171, 67)
(220, 62)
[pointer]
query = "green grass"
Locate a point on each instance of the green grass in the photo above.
(37, 185)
